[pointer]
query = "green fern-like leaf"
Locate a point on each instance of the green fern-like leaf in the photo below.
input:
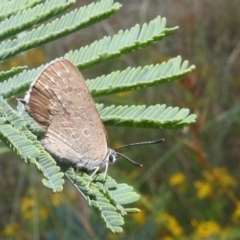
(11, 115)
(158, 116)
(12, 7)
(18, 143)
(24, 144)
(67, 24)
(10, 73)
(11, 134)
(135, 78)
(18, 84)
(25, 19)
(121, 43)
(107, 198)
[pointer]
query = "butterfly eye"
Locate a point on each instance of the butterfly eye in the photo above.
(111, 158)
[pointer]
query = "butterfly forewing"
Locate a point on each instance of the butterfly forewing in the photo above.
(60, 102)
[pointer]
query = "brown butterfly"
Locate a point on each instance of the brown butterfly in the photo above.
(60, 102)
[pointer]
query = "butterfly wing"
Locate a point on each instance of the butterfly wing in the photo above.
(61, 103)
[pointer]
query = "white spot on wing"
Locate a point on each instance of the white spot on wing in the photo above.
(86, 132)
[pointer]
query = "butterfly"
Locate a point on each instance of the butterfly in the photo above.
(60, 102)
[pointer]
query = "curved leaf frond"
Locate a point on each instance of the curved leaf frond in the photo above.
(71, 22)
(135, 78)
(18, 84)
(11, 115)
(123, 195)
(13, 6)
(12, 135)
(121, 43)
(158, 116)
(10, 73)
(29, 17)
(53, 175)
(22, 142)
(18, 143)
(107, 198)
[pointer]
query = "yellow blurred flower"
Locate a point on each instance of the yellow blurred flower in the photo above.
(221, 176)
(170, 223)
(236, 215)
(11, 230)
(224, 178)
(27, 209)
(204, 189)
(206, 229)
(43, 213)
(140, 217)
(27, 205)
(178, 180)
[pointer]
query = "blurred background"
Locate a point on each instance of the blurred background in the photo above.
(189, 185)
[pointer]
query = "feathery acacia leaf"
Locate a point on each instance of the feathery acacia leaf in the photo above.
(11, 134)
(158, 116)
(22, 142)
(121, 43)
(104, 197)
(18, 143)
(27, 18)
(71, 22)
(11, 115)
(10, 73)
(13, 6)
(18, 84)
(135, 78)
(53, 175)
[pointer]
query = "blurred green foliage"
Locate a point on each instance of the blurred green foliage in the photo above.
(190, 183)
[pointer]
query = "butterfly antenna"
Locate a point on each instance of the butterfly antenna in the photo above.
(129, 159)
(142, 143)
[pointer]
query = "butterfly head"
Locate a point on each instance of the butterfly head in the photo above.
(111, 156)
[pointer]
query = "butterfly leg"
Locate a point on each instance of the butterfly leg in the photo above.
(105, 172)
(92, 175)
